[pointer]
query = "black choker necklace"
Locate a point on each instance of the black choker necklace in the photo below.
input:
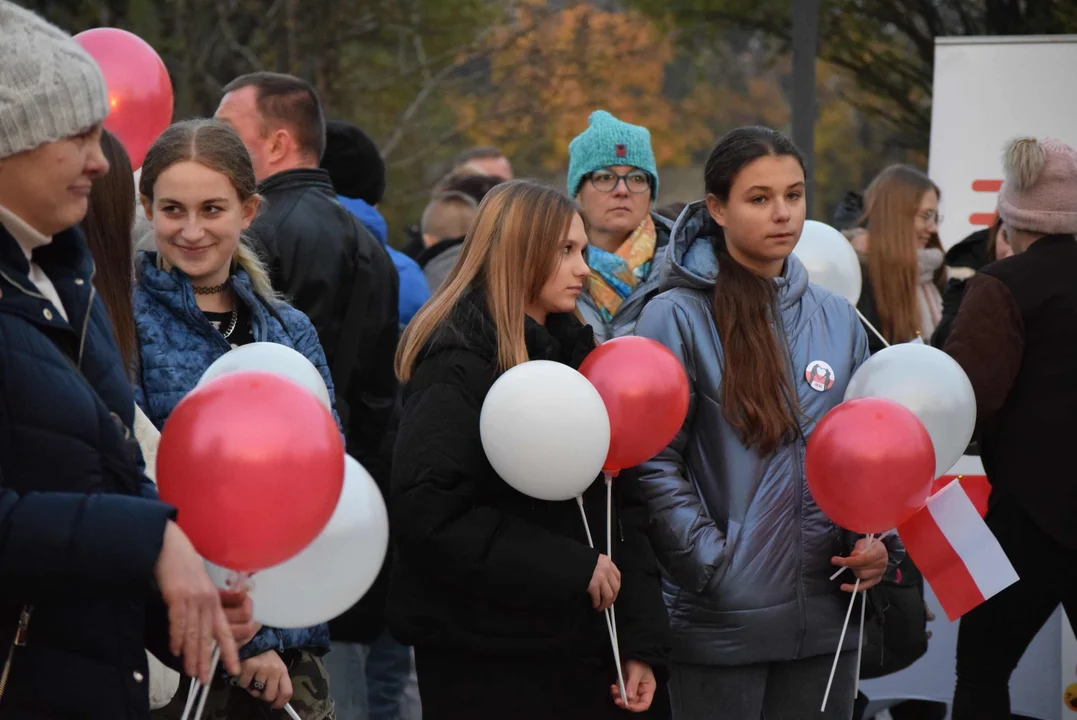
(212, 290)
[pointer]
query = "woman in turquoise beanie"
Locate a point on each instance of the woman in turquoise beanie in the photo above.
(612, 175)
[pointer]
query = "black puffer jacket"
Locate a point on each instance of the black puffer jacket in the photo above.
(79, 534)
(481, 567)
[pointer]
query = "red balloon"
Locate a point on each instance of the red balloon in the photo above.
(139, 89)
(255, 465)
(645, 391)
(870, 464)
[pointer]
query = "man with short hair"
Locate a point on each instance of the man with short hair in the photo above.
(319, 254)
(486, 161)
(446, 220)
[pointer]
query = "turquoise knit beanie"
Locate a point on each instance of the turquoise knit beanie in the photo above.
(606, 142)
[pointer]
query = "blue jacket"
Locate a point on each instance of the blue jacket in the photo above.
(414, 290)
(78, 543)
(624, 320)
(746, 547)
(177, 344)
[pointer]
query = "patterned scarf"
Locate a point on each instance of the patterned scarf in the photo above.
(615, 275)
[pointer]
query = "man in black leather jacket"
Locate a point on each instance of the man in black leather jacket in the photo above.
(320, 256)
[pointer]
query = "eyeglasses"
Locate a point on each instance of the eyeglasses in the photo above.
(606, 180)
(931, 216)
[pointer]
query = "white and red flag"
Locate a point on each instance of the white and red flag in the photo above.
(956, 551)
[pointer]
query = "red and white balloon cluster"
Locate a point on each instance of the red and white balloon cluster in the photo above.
(908, 415)
(549, 430)
(254, 463)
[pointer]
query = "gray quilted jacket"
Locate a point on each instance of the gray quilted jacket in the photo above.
(747, 553)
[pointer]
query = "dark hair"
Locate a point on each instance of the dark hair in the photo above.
(671, 211)
(215, 145)
(354, 163)
(109, 219)
(287, 100)
(757, 395)
(474, 186)
(484, 152)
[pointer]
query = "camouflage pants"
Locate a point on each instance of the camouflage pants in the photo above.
(310, 695)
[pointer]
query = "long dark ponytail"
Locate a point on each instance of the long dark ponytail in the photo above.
(757, 396)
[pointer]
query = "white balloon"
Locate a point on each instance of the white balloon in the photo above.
(271, 357)
(830, 259)
(333, 572)
(929, 383)
(545, 430)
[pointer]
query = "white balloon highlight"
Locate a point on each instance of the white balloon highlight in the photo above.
(333, 572)
(545, 430)
(929, 383)
(274, 358)
(830, 259)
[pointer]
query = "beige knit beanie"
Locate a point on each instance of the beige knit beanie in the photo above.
(50, 88)
(1039, 194)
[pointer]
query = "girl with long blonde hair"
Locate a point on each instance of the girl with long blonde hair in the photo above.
(500, 593)
(200, 294)
(903, 259)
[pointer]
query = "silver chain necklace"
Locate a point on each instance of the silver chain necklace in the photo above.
(232, 324)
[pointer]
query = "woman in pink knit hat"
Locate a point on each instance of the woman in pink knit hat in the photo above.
(1016, 338)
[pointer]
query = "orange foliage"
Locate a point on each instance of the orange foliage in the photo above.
(547, 80)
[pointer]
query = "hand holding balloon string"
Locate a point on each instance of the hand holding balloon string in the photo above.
(857, 561)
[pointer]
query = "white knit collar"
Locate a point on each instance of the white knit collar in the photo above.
(28, 238)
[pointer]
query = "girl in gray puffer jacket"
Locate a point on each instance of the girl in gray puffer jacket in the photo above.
(747, 553)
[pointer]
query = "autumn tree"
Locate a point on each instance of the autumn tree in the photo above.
(544, 84)
(888, 46)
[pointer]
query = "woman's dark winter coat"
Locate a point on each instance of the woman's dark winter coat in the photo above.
(480, 567)
(80, 526)
(1014, 337)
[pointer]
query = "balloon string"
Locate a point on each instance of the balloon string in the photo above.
(860, 644)
(613, 612)
(872, 328)
(844, 629)
(611, 627)
(197, 688)
(841, 641)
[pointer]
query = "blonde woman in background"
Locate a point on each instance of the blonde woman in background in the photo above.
(902, 257)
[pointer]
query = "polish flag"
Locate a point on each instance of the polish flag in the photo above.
(970, 472)
(956, 552)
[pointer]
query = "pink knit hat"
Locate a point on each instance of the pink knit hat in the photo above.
(1040, 191)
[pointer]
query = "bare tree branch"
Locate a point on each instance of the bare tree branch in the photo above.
(225, 25)
(413, 107)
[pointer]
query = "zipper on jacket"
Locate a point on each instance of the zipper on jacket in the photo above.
(18, 641)
(779, 326)
(86, 316)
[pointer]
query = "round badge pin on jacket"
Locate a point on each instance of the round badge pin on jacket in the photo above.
(820, 375)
